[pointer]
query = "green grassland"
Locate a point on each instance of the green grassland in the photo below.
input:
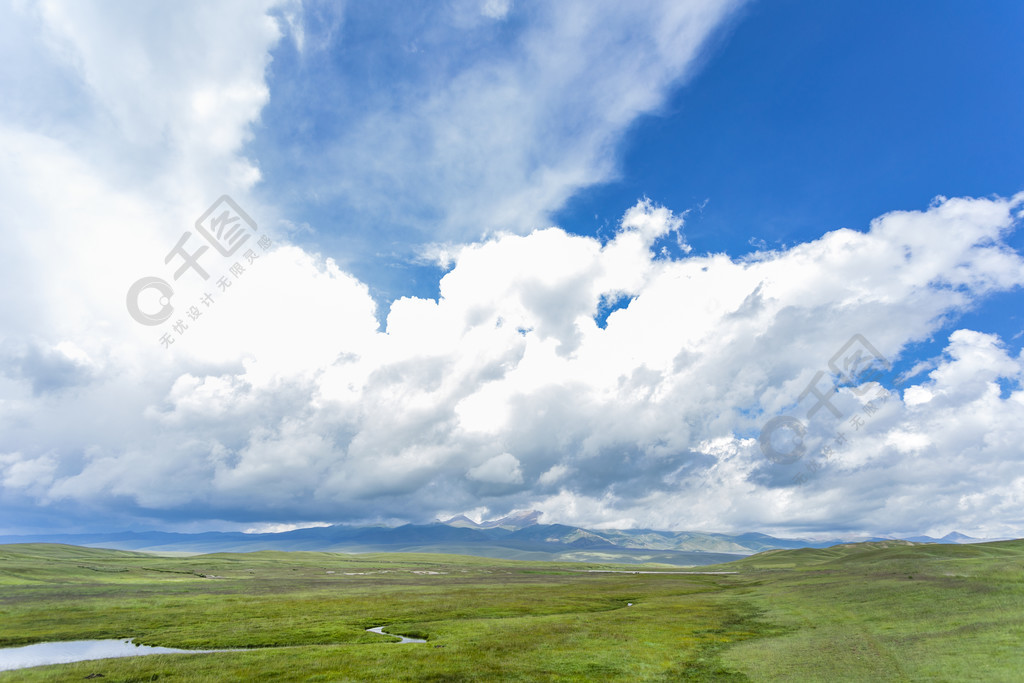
(867, 612)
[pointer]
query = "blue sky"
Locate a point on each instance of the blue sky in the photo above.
(565, 256)
(812, 116)
(801, 117)
(808, 117)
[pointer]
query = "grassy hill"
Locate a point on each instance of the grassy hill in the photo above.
(873, 611)
(890, 610)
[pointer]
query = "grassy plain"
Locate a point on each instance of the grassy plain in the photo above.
(876, 612)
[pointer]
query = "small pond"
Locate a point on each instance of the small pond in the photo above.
(69, 651)
(77, 651)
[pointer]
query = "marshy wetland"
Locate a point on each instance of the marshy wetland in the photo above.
(862, 612)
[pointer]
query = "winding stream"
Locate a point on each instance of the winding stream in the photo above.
(380, 630)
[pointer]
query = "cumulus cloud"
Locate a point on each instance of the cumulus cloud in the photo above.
(288, 401)
(504, 391)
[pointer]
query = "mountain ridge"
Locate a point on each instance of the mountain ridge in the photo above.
(517, 519)
(518, 535)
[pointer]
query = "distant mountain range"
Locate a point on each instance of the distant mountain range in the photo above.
(513, 522)
(519, 535)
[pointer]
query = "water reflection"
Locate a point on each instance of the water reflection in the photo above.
(77, 651)
(69, 651)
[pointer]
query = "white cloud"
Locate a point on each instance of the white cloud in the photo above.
(501, 469)
(32, 475)
(553, 475)
(279, 528)
(646, 420)
(184, 78)
(287, 401)
(499, 140)
(496, 9)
